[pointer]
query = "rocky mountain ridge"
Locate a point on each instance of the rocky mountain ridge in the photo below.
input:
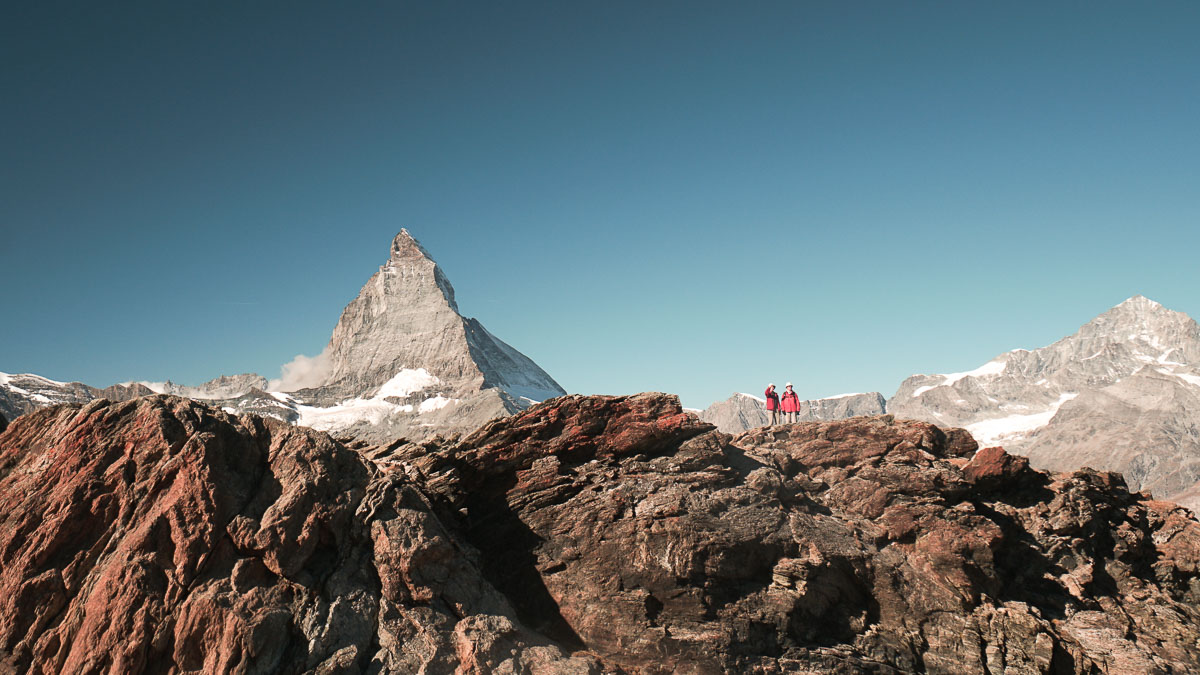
(582, 535)
(1121, 394)
(25, 392)
(401, 362)
(743, 412)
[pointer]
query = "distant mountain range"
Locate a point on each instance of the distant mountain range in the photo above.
(1121, 394)
(742, 412)
(401, 361)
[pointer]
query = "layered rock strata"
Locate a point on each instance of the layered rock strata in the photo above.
(586, 535)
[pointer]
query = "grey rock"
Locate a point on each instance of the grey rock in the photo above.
(26, 392)
(406, 317)
(1121, 394)
(223, 387)
(742, 412)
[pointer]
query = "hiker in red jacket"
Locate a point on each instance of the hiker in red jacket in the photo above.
(772, 405)
(790, 404)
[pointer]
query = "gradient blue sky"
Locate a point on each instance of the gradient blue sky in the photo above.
(694, 197)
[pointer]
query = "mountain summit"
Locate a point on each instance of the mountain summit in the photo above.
(405, 320)
(403, 361)
(1121, 394)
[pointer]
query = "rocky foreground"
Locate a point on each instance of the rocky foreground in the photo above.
(583, 535)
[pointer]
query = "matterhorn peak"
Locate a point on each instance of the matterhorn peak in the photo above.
(403, 343)
(406, 247)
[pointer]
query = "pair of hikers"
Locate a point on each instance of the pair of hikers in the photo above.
(789, 404)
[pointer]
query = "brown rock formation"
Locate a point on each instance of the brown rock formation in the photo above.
(586, 534)
(161, 535)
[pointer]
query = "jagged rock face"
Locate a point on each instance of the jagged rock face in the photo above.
(1121, 395)
(160, 535)
(623, 527)
(405, 317)
(742, 412)
(586, 534)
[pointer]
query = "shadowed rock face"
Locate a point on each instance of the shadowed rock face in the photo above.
(586, 534)
(161, 535)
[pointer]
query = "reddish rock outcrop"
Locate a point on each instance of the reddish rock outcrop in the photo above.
(586, 534)
(160, 535)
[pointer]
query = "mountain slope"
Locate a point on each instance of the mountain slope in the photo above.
(1121, 394)
(402, 361)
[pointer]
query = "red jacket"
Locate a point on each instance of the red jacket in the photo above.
(772, 399)
(791, 402)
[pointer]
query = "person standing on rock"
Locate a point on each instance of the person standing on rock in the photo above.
(790, 404)
(772, 405)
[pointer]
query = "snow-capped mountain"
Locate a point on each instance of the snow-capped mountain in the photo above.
(1121, 394)
(401, 361)
(26, 392)
(225, 386)
(742, 412)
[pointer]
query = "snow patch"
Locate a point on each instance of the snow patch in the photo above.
(1015, 427)
(989, 369)
(830, 398)
(373, 410)
(1191, 379)
(436, 403)
(994, 367)
(922, 390)
(406, 382)
(348, 413)
(760, 400)
(36, 379)
(1162, 358)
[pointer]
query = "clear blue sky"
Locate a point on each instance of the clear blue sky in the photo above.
(694, 197)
